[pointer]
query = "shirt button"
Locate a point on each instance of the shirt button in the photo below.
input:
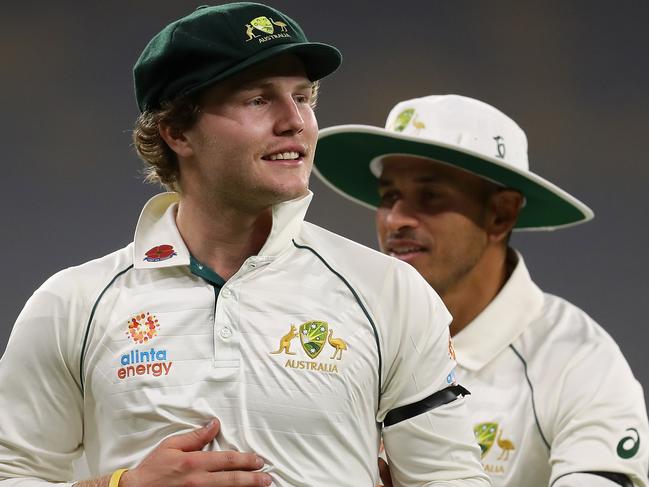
(226, 292)
(225, 332)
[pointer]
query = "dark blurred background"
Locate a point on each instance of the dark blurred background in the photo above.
(573, 74)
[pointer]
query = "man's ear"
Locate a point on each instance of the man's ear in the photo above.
(176, 140)
(505, 205)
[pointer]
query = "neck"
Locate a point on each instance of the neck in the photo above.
(222, 238)
(470, 296)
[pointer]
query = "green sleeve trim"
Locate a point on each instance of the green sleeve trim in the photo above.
(92, 315)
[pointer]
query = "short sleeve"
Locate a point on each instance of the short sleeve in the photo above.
(435, 446)
(41, 429)
(415, 324)
(600, 419)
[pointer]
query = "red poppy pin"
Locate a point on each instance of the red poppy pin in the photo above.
(161, 252)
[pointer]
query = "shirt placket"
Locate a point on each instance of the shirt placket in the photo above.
(227, 331)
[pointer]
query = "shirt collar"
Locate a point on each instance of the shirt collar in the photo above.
(287, 221)
(501, 322)
(158, 242)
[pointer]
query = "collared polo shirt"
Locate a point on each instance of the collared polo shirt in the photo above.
(301, 354)
(551, 392)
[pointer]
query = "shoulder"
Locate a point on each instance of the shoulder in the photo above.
(349, 257)
(585, 391)
(373, 274)
(563, 331)
(563, 344)
(393, 290)
(564, 350)
(56, 314)
(80, 284)
(338, 247)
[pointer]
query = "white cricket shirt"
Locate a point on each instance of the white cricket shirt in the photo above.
(301, 354)
(551, 392)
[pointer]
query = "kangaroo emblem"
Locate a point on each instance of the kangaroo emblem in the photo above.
(250, 32)
(285, 342)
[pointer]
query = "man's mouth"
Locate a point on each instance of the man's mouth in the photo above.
(401, 251)
(284, 156)
(405, 249)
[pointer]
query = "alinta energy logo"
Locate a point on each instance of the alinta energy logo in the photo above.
(314, 335)
(142, 329)
(266, 26)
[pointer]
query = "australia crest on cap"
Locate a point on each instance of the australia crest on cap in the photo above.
(266, 26)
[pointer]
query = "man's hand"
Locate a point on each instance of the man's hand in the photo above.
(384, 470)
(179, 461)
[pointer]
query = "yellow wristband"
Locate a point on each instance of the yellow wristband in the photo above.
(117, 474)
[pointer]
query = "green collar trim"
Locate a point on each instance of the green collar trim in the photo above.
(201, 270)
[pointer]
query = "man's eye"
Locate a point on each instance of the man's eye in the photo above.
(302, 98)
(258, 101)
(388, 199)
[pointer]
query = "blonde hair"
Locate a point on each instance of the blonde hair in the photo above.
(160, 161)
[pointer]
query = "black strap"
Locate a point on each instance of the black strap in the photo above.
(431, 402)
(618, 478)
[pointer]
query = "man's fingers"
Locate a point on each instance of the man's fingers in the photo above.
(217, 461)
(241, 479)
(194, 440)
(229, 479)
(179, 460)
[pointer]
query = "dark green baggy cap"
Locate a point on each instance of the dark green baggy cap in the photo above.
(214, 43)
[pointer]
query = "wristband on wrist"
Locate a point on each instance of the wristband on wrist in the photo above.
(117, 474)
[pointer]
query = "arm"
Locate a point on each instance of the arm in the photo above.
(427, 442)
(434, 448)
(599, 427)
(41, 428)
(179, 461)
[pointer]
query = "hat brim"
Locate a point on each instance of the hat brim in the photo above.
(319, 60)
(344, 153)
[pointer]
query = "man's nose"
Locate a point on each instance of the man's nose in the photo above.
(289, 118)
(401, 215)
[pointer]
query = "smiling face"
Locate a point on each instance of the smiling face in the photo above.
(434, 217)
(253, 143)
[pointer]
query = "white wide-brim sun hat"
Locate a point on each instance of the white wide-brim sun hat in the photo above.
(454, 130)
